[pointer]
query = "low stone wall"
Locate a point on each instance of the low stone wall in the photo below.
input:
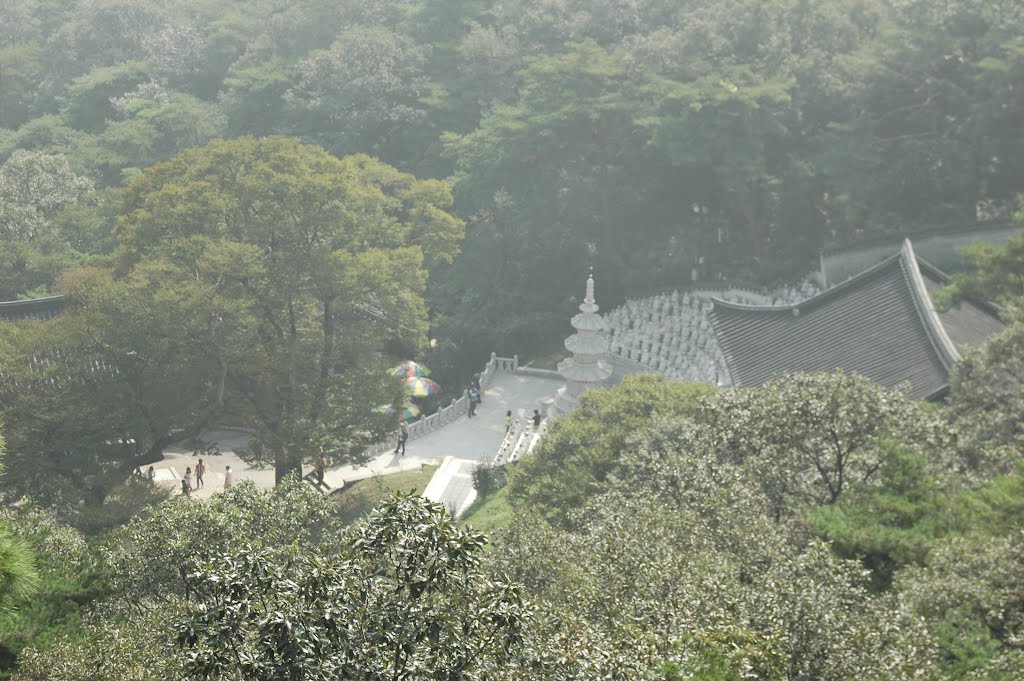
(458, 408)
(941, 249)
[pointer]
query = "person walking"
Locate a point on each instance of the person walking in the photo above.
(508, 420)
(474, 397)
(321, 469)
(536, 418)
(200, 472)
(229, 478)
(186, 482)
(403, 435)
(151, 474)
(479, 388)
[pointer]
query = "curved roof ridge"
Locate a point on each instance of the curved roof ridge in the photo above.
(825, 295)
(940, 340)
(31, 302)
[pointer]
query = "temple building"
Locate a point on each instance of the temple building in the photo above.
(39, 308)
(881, 324)
(586, 368)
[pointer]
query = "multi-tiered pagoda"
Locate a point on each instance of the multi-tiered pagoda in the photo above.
(587, 367)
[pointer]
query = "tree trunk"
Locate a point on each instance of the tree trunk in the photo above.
(285, 465)
(750, 201)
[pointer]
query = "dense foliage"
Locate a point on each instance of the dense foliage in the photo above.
(653, 137)
(279, 291)
(271, 586)
(248, 207)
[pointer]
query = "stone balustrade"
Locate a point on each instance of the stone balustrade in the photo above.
(458, 407)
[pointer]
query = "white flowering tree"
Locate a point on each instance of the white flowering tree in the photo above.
(34, 188)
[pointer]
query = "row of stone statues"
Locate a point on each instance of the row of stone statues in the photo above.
(671, 333)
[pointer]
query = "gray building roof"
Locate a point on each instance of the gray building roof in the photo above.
(40, 308)
(881, 324)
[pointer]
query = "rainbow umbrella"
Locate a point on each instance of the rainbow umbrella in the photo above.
(418, 386)
(408, 412)
(409, 368)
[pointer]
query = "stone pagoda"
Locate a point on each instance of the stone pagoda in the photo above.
(587, 367)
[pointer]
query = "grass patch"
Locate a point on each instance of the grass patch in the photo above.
(360, 497)
(490, 513)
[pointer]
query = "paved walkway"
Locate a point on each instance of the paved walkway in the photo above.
(476, 439)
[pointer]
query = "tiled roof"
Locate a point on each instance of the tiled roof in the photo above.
(968, 323)
(40, 308)
(881, 324)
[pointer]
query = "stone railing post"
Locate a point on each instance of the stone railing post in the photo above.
(515, 362)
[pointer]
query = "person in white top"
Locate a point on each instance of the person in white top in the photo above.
(229, 478)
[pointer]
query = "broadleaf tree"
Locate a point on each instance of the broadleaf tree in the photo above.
(309, 265)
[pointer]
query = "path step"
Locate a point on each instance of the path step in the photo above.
(452, 485)
(323, 488)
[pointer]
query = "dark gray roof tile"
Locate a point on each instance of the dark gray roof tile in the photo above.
(875, 324)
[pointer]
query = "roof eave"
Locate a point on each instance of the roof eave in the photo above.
(936, 332)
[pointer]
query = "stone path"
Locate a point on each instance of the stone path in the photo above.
(475, 439)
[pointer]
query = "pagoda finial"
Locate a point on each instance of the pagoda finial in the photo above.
(590, 288)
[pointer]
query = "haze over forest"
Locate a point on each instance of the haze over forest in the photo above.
(253, 209)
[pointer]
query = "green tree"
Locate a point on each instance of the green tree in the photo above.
(994, 274)
(307, 264)
(71, 580)
(810, 437)
(34, 188)
(580, 452)
(359, 95)
(984, 405)
(103, 388)
(891, 524)
(969, 593)
(88, 101)
(409, 601)
(151, 557)
(276, 589)
(18, 577)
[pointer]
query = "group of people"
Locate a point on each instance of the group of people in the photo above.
(186, 481)
(198, 476)
(475, 394)
(536, 419)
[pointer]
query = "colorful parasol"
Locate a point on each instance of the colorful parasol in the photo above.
(408, 412)
(409, 368)
(418, 386)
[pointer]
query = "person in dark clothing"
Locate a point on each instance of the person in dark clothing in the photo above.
(474, 397)
(321, 469)
(403, 435)
(536, 418)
